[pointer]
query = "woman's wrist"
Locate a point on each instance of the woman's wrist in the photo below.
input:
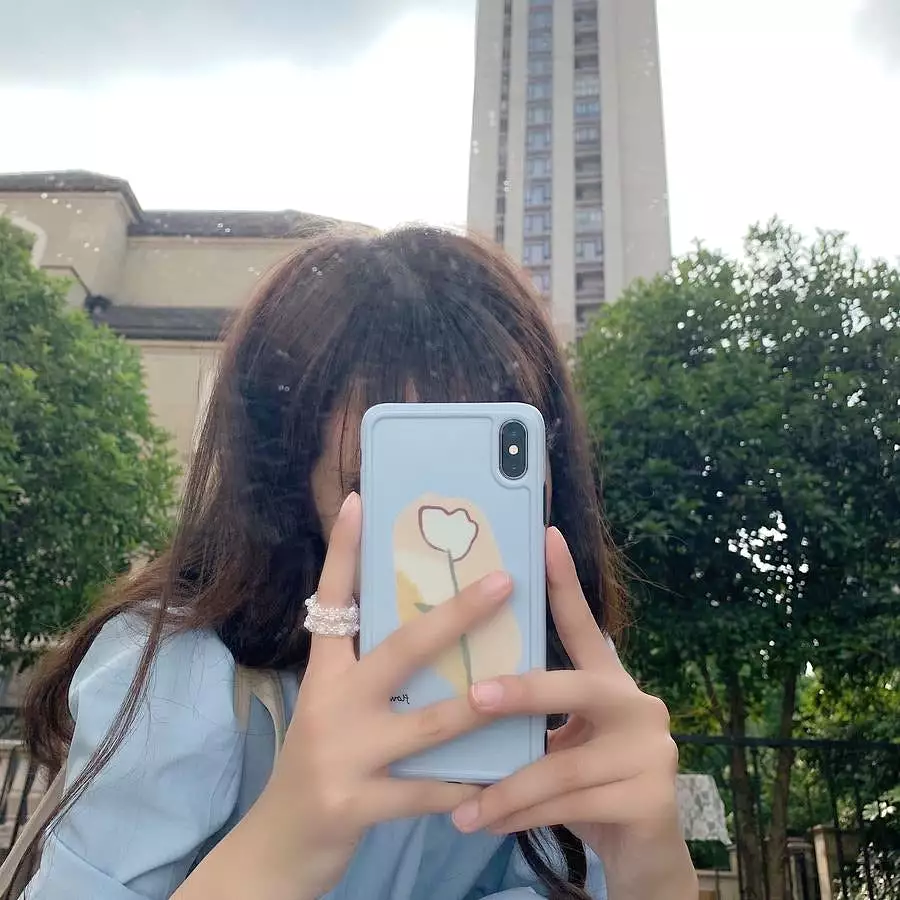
(253, 860)
(649, 865)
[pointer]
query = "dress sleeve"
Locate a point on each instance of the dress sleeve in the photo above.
(171, 785)
(520, 882)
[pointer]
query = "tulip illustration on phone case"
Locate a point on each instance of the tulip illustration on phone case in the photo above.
(441, 546)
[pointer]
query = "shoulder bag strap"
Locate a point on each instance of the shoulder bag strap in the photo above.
(265, 685)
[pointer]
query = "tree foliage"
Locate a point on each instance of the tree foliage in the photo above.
(86, 477)
(746, 414)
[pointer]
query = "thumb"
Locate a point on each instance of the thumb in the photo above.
(335, 591)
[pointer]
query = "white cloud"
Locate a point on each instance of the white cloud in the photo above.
(58, 42)
(380, 141)
(775, 108)
(879, 27)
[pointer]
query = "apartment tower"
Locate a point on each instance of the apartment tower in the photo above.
(568, 167)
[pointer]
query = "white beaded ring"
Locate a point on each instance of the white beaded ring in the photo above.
(331, 621)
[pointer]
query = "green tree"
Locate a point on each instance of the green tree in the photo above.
(86, 478)
(746, 413)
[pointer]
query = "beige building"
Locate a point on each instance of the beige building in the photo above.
(166, 280)
(568, 166)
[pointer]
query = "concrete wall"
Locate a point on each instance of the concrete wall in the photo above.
(179, 271)
(563, 222)
(636, 202)
(86, 233)
(177, 375)
(486, 115)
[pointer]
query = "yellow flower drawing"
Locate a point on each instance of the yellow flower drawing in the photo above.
(442, 545)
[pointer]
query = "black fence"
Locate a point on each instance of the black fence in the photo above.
(10, 722)
(809, 819)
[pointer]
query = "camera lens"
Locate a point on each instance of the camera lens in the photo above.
(513, 449)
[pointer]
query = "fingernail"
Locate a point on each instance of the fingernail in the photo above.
(487, 693)
(495, 585)
(466, 815)
(349, 502)
(555, 535)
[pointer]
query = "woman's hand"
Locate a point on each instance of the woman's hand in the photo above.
(331, 780)
(609, 775)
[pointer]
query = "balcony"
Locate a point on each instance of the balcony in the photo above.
(590, 287)
(589, 192)
(587, 39)
(588, 220)
(588, 167)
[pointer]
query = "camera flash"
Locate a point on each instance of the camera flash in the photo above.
(513, 449)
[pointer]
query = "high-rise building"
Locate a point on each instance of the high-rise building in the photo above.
(568, 167)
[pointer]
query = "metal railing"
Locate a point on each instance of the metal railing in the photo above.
(840, 838)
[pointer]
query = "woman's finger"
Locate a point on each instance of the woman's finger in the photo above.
(555, 692)
(565, 772)
(387, 799)
(416, 644)
(412, 732)
(329, 654)
(617, 803)
(575, 624)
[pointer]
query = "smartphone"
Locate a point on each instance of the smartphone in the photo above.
(451, 492)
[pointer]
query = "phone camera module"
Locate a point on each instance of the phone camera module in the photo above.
(513, 450)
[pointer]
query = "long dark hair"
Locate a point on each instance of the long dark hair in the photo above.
(351, 319)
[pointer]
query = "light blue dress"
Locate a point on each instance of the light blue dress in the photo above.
(187, 773)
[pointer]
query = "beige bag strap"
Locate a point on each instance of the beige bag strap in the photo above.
(248, 683)
(265, 685)
(36, 821)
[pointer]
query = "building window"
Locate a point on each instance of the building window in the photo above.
(540, 18)
(587, 86)
(588, 167)
(540, 90)
(538, 193)
(587, 134)
(537, 223)
(588, 219)
(539, 66)
(538, 138)
(499, 232)
(588, 193)
(537, 253)
(587, 62)
(540, 43)
(589, 249)
(538, 167)
(585, 311)
(589, 282)
(541, 280)
(539, 114)
(587, 109)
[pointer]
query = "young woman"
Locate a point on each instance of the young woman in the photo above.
(167, 795)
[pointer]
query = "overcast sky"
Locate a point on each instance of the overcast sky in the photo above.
(361, 109)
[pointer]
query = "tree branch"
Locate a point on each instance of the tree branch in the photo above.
(714, 702)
